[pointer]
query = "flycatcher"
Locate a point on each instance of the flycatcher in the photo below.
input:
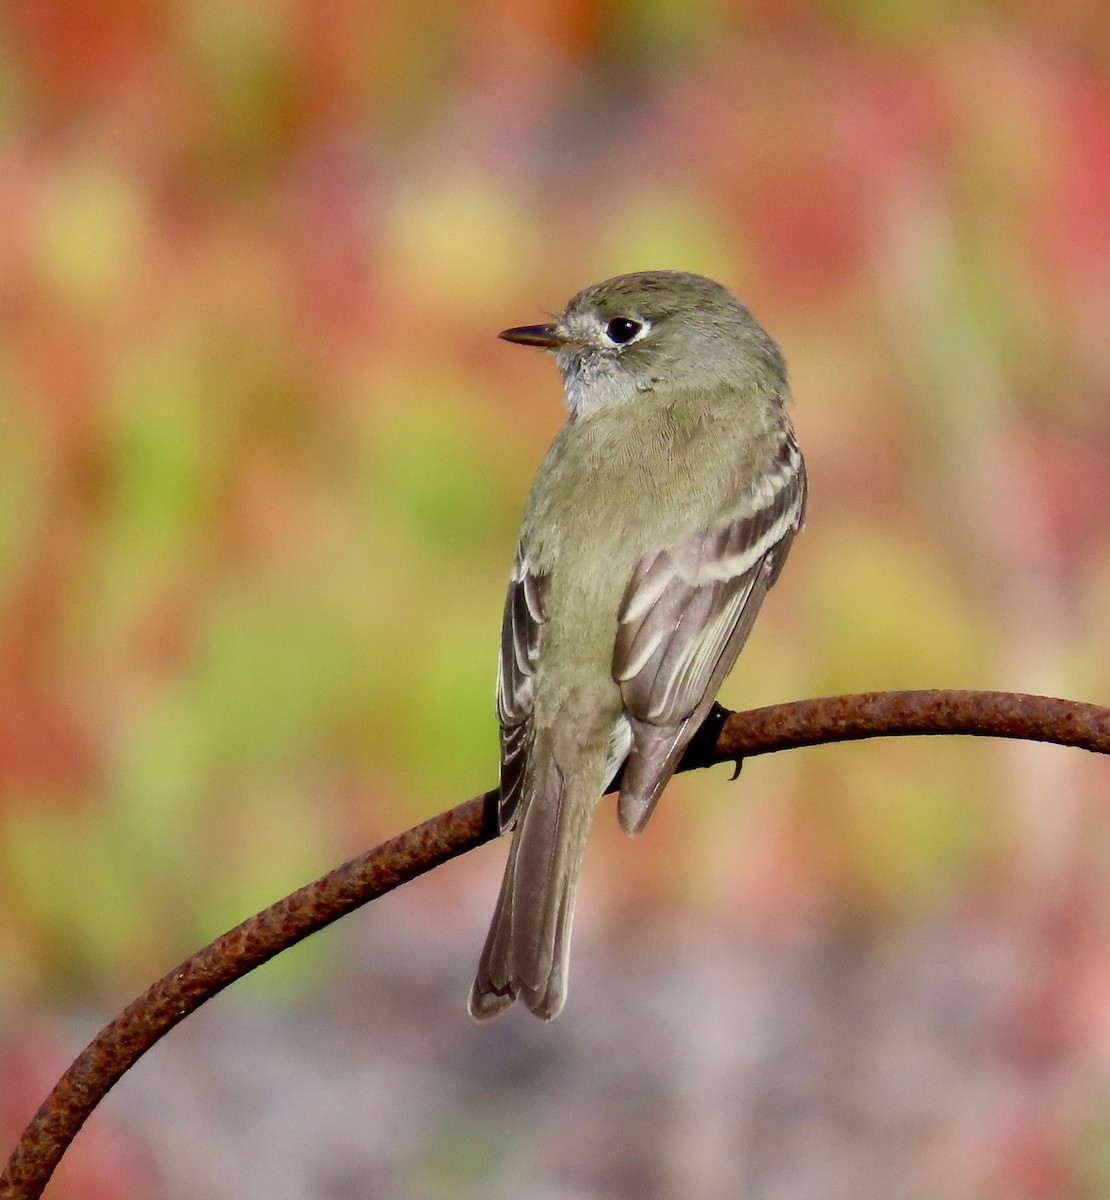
(659, 518)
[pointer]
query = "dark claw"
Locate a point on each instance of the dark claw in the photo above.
(738, 766)
(699, 751)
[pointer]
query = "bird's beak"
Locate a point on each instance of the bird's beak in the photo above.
(547, 337)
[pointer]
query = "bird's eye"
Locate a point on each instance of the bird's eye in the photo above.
(622, 330)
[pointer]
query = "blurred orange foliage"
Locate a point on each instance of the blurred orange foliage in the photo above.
(262, 456)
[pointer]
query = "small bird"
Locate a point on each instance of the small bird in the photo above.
(659, 518)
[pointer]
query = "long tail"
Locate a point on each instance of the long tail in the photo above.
(528, 946)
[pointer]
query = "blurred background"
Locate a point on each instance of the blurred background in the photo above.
(262, 460)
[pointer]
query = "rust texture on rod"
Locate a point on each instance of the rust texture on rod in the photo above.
(180, 992)
(895, 714)
(725, 736)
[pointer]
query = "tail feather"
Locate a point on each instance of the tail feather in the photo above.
(493, 991)
(527, 949)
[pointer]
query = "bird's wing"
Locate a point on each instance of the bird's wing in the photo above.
(521, 635)
(685, 616)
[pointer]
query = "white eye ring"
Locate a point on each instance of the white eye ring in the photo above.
(622, 331)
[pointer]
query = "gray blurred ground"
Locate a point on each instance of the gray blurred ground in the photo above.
(938, 1059)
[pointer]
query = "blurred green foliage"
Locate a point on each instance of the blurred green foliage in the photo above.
(262, 457)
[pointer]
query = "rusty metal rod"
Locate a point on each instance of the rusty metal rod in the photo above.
(725, 736)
